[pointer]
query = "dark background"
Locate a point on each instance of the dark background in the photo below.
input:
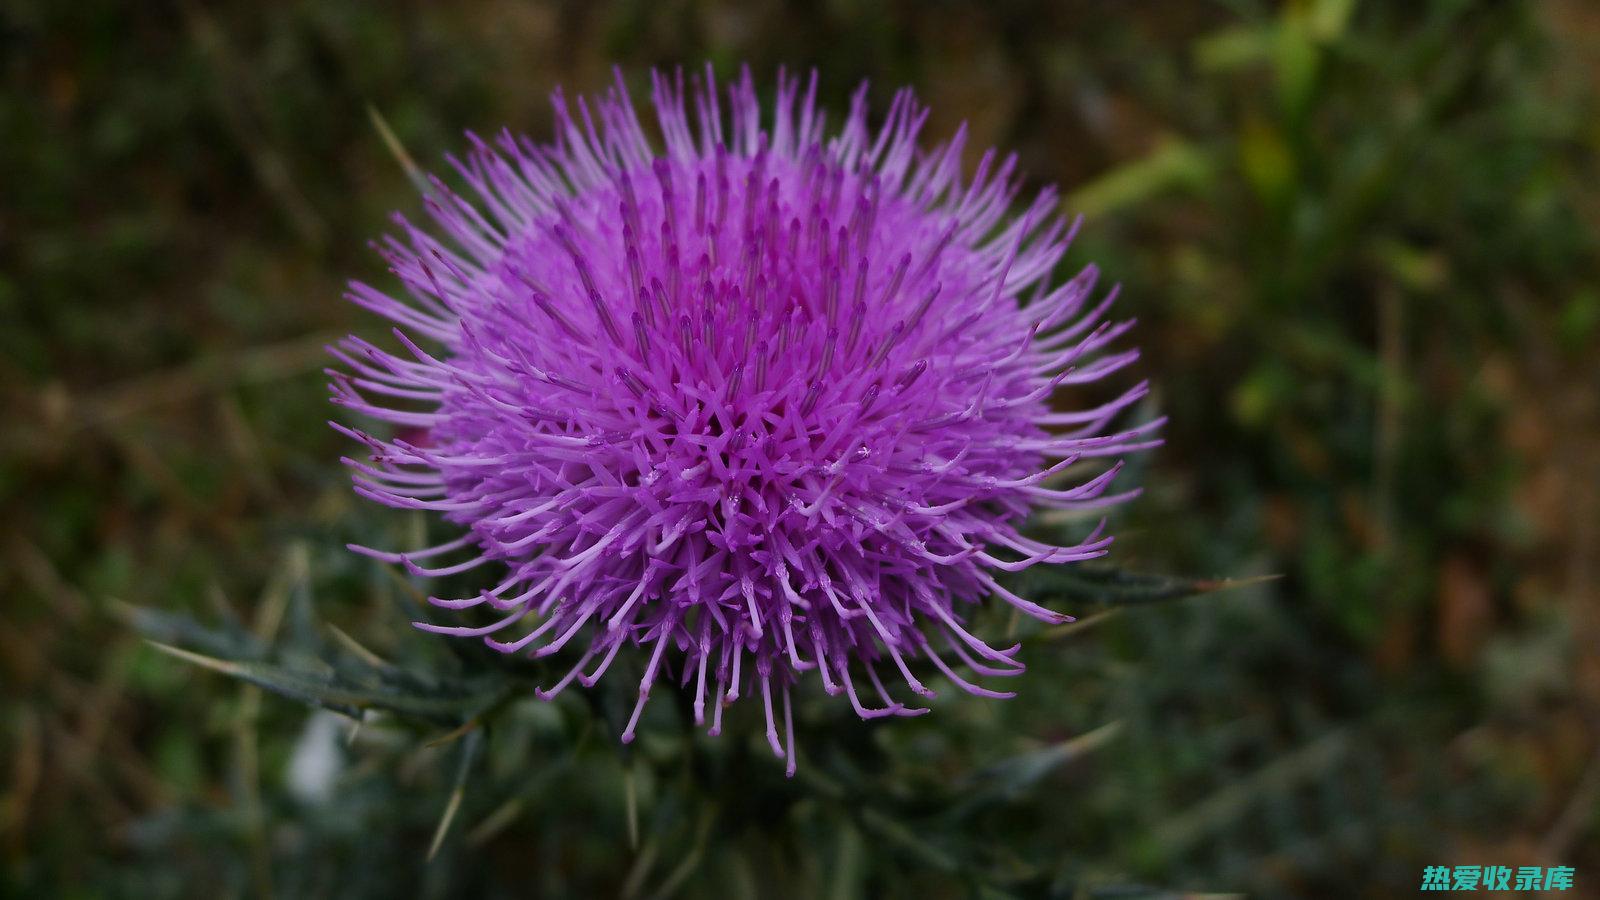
(1360, 240)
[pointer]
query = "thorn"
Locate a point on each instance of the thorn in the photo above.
(199, 659)
(469, 754)
(349, 643)
(453, 735)
(444, 822)
(631, 794)
(396, 149)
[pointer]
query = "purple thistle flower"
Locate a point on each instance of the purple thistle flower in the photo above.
(766, 401)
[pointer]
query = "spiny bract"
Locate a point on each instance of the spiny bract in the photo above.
(765, 401)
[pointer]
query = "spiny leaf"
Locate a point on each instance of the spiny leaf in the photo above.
(469, 755)
(450, 704)
(901, 835)
(1012, 778)
(176, 628)
(1113, 586)
(357, 650)
(1238, 796)
(691, 860)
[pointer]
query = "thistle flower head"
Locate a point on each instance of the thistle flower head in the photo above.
(754, 398)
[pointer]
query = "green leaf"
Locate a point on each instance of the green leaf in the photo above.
(907, 840)
(1234, 48)
(1172, 165)
(1329, 19)
(1296, 60)
(1579, 321)
(1112, 586)
(175, 628)
(1240, 795)
(1267, 162)
(1013, 778)
(470, 749)
(449, 703)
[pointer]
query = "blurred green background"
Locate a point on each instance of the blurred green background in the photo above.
(1360, 238)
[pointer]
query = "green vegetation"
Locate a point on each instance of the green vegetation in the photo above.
(1360, 238)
